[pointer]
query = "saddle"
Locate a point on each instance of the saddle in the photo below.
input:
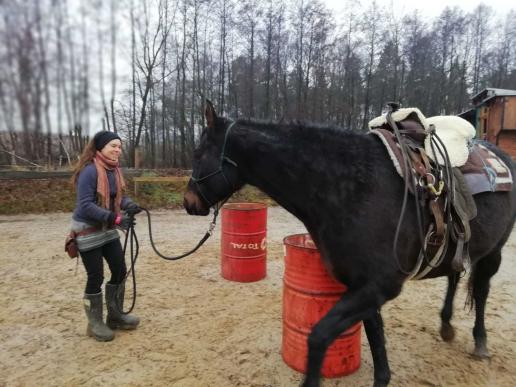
(444, 169)
(454, 132)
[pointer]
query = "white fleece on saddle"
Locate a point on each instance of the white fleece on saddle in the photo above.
(400, 115)
(454, 132)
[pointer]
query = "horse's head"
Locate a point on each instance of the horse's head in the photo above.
(214, 175)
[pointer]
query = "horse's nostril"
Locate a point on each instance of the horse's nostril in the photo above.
(193, 204)
(189, 203)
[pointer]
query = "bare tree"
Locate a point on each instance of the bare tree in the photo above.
(224, 16)
(373, 38)
(251, 57)
(250, 11)
(100, 57)
(351, 79)
(480, 31)
(113, 62)
(7, 109)
(46, 87)
(132, 128)
(503, 55)
(164, 130)
(152, 43)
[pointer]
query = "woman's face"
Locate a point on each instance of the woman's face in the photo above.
(112, 149)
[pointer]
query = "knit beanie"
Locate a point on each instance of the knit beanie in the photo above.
(103, 137)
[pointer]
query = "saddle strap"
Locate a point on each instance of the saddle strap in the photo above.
(418, 165)
(437, 213)
(436, 238)
(425, 159)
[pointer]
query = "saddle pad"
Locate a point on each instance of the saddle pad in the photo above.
(391, 144)
(484, 171)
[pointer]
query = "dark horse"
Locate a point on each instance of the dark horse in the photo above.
(344, 188)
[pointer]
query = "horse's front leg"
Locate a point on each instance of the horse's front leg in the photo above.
(376, 338)
(354, 306)
(447, 330)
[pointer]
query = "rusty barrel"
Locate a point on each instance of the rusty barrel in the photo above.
(309, 292)
(244, 241)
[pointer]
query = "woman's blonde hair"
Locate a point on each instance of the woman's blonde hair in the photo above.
(86, 157)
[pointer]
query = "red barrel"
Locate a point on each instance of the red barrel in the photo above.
(244, 241)
(309, 292)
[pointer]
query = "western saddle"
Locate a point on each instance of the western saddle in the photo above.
(433, 177)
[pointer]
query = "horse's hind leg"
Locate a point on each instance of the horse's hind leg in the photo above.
(447, 330)
(479, 282)
(376, 338)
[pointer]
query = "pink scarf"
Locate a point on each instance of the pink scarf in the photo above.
(102, 164)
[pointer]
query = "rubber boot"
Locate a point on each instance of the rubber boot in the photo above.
(115, 304)
(94, 307)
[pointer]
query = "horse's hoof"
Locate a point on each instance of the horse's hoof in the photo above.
(481, 353)
(310, 383)
(380, 384)
(447, 332)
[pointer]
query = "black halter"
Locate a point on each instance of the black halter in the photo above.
(220, 170)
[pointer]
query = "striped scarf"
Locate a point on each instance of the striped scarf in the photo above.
(102, 164)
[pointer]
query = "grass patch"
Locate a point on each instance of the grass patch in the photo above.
(161, 195)
(24, 196)
(36, 196)
(251, 194)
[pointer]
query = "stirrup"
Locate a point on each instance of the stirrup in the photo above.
(461, 260)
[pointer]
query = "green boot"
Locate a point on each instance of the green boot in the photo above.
(94, 307)
(115, 303)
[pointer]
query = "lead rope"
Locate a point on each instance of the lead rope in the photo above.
(130, 235)
(216, 207)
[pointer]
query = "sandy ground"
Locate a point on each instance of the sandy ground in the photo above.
(199, 330)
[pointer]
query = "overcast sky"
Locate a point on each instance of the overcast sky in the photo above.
(431, 8)
(427, 8)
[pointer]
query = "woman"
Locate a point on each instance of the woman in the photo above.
(99, 183)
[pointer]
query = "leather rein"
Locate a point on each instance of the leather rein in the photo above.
(417, 174)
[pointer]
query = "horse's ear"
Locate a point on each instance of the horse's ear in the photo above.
(209, 113)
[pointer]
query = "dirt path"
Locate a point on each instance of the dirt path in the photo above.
(200, 330)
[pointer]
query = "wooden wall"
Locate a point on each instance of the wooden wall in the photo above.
(494, 119)
(497, 123)
(507, 141)
(509, 117)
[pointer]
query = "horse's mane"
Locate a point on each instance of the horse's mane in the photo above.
(299, 126)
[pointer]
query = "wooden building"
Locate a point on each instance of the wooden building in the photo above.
(494, 116)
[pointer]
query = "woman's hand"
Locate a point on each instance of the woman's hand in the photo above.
(126, 221)
(123, 221)
(132, 208)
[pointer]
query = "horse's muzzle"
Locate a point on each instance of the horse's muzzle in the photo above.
(194, 205)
